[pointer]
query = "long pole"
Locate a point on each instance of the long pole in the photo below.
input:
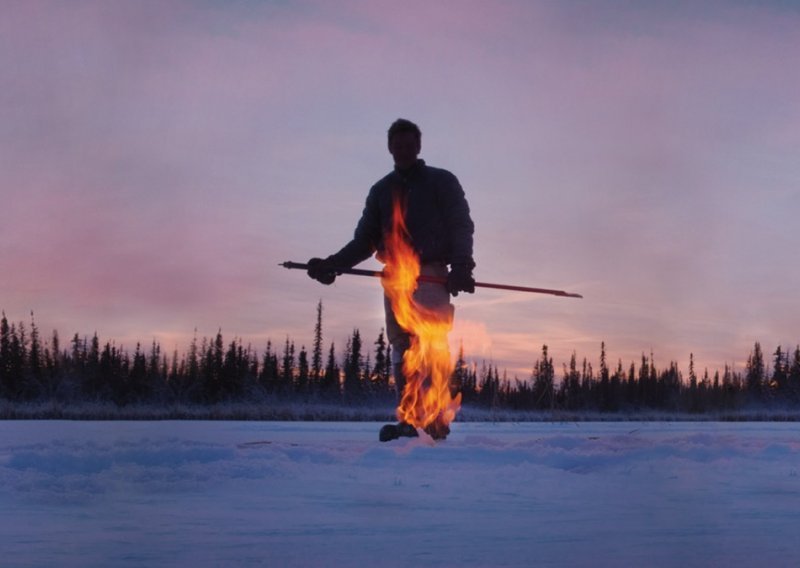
(379, 274)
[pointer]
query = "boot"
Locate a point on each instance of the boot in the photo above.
(395, 431)
(437, 429)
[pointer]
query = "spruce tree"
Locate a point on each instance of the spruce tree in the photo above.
(780, 371)
(604, 393)
(35, 357)
(303, 376)
(193, 363)
(330, 381)
(543, 381)
(383, 367)
(692, 393)
(316, 354)
(632, 388)
(571, 384)
(754, 379)
(458, 383)
(5, 357)
(269, 376)
(794, 376)
(287, 367)
(353, 365)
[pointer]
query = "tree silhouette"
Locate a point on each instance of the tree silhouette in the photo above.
(353, 364)
(754, 379)
(382, 370)
(544, 381)
(34, 369)
(330, 381)
(316, 356)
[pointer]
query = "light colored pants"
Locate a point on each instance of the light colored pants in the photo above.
(429, 294)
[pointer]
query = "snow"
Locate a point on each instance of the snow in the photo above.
(184, 493)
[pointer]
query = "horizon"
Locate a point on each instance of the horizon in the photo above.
(277, 347)
(160, 160)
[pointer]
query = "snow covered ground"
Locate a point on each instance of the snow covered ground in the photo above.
(329, 494)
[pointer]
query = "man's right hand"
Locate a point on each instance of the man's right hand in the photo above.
(460, 279)
(322, 270)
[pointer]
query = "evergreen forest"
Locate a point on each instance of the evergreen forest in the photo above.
(34, 369)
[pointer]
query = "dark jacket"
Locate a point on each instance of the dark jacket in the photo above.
(437, 217)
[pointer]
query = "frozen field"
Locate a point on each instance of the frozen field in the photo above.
(329, 494)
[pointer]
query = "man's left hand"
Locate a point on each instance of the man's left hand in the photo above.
(322, 270)
(460, 279)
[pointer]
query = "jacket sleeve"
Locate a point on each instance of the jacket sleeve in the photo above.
(458, 221)
(366, 237)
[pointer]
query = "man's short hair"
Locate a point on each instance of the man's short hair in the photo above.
(403, 125)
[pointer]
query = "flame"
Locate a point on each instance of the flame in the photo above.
(426, 401)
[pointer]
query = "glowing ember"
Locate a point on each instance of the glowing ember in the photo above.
(426, 401)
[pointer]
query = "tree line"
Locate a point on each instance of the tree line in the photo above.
(581, 387)
(210, 371)
(213, 371)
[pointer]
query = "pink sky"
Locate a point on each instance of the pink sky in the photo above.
(159, 159)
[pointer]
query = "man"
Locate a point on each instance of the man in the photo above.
(439, 226)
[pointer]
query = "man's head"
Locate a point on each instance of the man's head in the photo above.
(405, 142)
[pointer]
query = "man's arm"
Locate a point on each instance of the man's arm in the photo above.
(460, 230)
(458, 222)
(361, 246)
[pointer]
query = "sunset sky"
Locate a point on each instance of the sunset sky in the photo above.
(158, 159)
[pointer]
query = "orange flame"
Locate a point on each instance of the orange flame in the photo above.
(426, 401)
